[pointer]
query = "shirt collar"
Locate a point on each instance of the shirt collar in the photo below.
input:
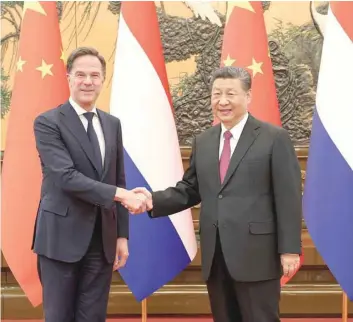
(80, 110)
(236, 129)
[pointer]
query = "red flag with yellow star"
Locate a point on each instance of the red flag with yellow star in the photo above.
(245, 44)
(40, 84)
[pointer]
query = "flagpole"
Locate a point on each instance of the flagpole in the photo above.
(144, 310)
(344, 307)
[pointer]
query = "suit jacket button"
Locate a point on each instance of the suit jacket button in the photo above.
(220, 197)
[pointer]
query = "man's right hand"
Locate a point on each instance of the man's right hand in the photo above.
(135, 202)
(147, 194)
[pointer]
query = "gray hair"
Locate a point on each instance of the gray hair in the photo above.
(227, 72)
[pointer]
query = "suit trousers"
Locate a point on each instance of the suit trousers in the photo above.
(233, 301)
(77, 292)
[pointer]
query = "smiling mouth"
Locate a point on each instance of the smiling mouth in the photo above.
(225, 111)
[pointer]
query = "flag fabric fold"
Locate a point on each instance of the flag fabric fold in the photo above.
(160, 248)
(328, 191)
(40, 84)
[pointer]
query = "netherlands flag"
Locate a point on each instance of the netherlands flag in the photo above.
(159, 248)
(328, 194)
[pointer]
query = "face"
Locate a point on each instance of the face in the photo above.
(229, 101)
(86, 80)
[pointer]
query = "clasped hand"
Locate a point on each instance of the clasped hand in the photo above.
(137, 200)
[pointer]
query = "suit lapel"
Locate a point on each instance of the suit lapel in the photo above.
(108, 138)
(75, 126)
(247, 138)
(213, 145)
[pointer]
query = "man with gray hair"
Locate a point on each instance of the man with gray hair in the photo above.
(246, 175)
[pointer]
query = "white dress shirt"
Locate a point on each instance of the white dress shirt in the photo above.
(96, 124)
(236, 132)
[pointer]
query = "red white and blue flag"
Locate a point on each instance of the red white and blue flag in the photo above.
(160, 248)
(328, 193)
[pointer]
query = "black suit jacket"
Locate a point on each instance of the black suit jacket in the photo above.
(72, 191)
(257, 209)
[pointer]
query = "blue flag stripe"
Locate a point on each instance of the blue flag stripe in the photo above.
(157, 253)
(328, 205)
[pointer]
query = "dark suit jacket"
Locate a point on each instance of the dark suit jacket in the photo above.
(72, 191)
(257, 209)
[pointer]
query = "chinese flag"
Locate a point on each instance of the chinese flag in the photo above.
(40, 84)
(245, 45)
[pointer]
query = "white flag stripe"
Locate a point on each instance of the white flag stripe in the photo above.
(335, 91)
(150, 147)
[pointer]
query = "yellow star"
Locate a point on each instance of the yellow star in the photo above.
(45, 69)
(20, 64)
(255, 67)
(228, 61)
(33, 5)
(240, 4)
(63, 57)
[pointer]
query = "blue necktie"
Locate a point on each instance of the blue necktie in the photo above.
(92, 135)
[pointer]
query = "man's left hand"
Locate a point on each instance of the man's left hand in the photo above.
(122, 253)
(290, 264)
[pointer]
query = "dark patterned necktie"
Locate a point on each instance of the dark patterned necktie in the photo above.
(92, 135)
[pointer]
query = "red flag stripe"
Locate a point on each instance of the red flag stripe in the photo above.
(138, 15)
(343, 11)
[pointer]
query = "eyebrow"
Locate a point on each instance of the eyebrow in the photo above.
(81, 71)
(227, 89)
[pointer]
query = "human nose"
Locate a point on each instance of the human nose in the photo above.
(223, 100)
(87, 80)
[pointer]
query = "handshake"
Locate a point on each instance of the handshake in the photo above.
(137, 200)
